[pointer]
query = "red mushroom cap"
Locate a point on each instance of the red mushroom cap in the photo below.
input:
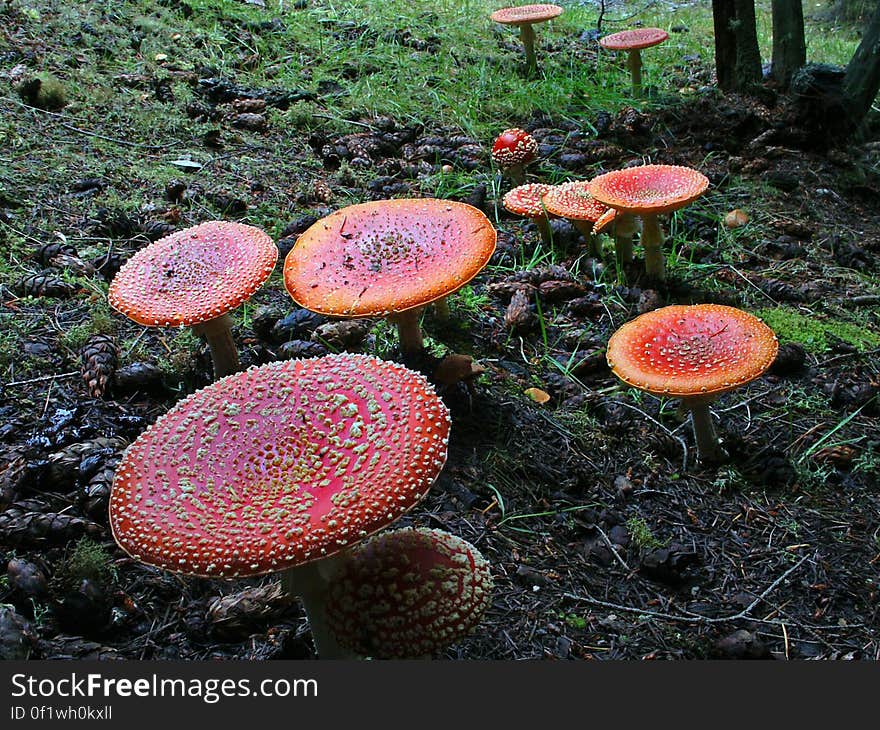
(605, 220)
(691, 350)
(633, 40)
(526, 199)
(387, 256)
(526, 14)
(572, 200)
(514, 146)
(194, 275)
(408, 593)
(279, 465)
(649, 189)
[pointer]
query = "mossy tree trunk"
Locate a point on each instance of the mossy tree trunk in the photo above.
(789, 44)
(737, 57)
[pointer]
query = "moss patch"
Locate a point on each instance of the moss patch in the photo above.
(816, 334)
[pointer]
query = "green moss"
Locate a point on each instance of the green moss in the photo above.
(88, 560)
(642, 535)
(816, 334)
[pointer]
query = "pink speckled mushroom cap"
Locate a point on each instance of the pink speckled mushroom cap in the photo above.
(387, 256)
(514, 146)
(408, 593)
(526, 14)
(526, 199)
(691, 350)
(572, 200)
(279, 465)
(633, 40)
(649, 189)
(194, 275)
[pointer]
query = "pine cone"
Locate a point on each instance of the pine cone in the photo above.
(249, 106)
(154, 230)
(321, 191)
(238, 615)
(45, 284)
(72, 263)
(558, 291)
(48, 251)
(21, 527)
(64, 466)
(519, 316)
(96, 494)
(100, 357)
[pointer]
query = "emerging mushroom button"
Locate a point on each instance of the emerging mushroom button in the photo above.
(278, 466)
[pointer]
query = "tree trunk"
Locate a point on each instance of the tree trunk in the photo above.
(862, 80)
(789, 44)
(737, 58)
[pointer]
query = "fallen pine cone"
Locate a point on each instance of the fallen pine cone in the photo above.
(22, 527)
(344, 334)
(45, 284)
(238, 615)
(100, 357)
(519, 316)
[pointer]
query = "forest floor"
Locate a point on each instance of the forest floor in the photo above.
(606, 537)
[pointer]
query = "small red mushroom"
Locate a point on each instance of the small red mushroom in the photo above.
(408, 593)
(647, 191)
(525, 200)
(524, 16)
(695, 352)
(514, 149)
(633, 41)
(278, 469)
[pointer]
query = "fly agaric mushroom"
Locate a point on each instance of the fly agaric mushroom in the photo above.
(408, 593)
(571, 200)
(525, 16)
(633, 41)
(647, 191)
(389, 258)
(694, 352)
(625, 227)
(525, 200)
(195, 277)
(513, 149)
(280, 468)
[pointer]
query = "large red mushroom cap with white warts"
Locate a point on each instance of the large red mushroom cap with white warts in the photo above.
(387, 256)
(193, 275)
(633, 40)
(514, 146)
(649, 189)
(279, 465)
(572, 200)
(408, 593)
(537, 13)
(525, 200)
(691, 350)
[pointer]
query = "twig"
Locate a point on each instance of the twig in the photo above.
(42, 378)
(696, 618)
(612, 549)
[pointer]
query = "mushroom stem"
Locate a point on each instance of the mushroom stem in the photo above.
(409, 330)
(517, 174)
(218, 334)
(527, 35)
(309, 582)
(625, 228)
(586, 229)
(634, 64)
(544, 229)
(708, 447)
(441, 309)
(652, 240)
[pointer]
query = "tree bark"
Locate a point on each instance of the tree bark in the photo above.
(737, 57)
(789, 44)
(862, 80)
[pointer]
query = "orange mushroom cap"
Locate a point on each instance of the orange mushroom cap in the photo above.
(526, 199)
(633, 40)
(572, 200)
(649, 189)
(526, 14)
(279, 465)
(605, 220)
(691, 350)
(514, 146)
(194, 275)
(387, 256)
(408, 593)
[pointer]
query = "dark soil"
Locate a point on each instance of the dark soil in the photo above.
(607, 538)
